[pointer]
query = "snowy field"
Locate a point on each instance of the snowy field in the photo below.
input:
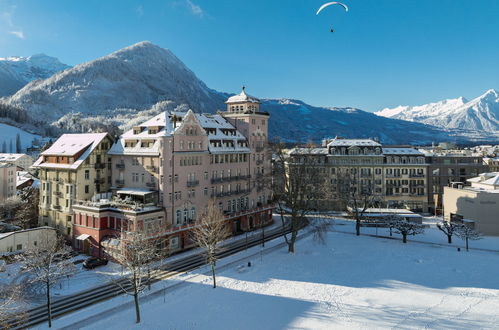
(8, 133)
(351, 282)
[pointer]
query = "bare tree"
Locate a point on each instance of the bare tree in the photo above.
(12, 313)
(210, 230)
(26, 214)
(448, 228)
(406, 228)
(467, 233)
(298, 188)
(357, 195)
(45, 264)
(391, 221)
(138, 252)
(9, 207)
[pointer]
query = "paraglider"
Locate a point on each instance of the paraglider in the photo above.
(329, 4)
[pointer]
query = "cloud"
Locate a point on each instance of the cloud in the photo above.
(18, 34)
(7, 23)
(140, 11)
(195, 9)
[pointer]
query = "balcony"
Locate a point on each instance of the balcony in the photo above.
(120, 166)
(216, 180)
(56, 207)
(120, 182)
(98, 166)
(259, 149)
(99, 180)
(192, 183)
(421, 175)
(151, 184)
(58, 193)
(259, 162)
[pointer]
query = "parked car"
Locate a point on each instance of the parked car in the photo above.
(93, 262)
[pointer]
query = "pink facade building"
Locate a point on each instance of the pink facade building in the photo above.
(166, 170)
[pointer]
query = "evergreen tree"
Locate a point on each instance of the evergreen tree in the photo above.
(18, 143)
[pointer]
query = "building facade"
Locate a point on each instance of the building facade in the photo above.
(447, 167)
(20, 240)
(7, 181)
(76, 167)
(478, 203)
(396, 176)
(167, 170)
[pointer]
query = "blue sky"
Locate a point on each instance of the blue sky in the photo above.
(383, 53)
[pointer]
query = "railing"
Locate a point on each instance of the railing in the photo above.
(120, 166)
(56, 207)
(99, 180)
(192, 183)
(151, 184)
(230, 178)
(120, 182)
(259, 162)
(99, 166)
(416, 175)
(58, 193)
(259, 149)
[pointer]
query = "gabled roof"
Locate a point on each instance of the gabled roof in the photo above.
(11, 157)
(70, 145)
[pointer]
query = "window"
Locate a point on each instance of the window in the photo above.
(135, 161)
(87, 174)
(87, 189)
(19, 247)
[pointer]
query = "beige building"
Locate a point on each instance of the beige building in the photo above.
(7, 181)
(397, 176)
(478, 202)
(16, 241)
(166, 170)
(22, 161)
(75, 167)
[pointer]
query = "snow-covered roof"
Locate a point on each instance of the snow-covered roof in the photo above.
(242, 97)
(308, 151)
(491, 178)
(353, 142)
(6, 165)
(10, 157)
(402, 151)
(215, 126)
(70, 145)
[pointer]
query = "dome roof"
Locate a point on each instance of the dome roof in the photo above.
(242, 97)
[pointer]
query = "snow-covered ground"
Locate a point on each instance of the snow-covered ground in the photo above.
(351, 282)
(8, 133)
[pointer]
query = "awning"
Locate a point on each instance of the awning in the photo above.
(135, 192)
(82, 237)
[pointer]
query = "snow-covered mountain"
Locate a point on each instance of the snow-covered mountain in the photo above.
(17, 71)
(139, 81)
(135, 77)
(481, 113)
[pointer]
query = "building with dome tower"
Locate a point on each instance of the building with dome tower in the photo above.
(166, 170)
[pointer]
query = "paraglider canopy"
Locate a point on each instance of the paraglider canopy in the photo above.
(331, 3)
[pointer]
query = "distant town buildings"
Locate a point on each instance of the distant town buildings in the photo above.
(478, 203)
(22, 161)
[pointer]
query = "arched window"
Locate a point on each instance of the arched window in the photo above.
(193, 213)
(186, 215)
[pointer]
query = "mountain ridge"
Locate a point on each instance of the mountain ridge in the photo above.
(142, 79)
(480, 113)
